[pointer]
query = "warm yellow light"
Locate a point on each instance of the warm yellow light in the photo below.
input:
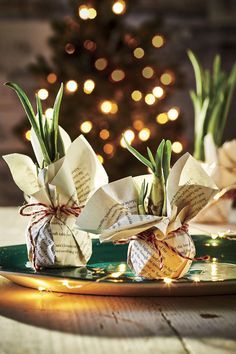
(122, 267)
(167, 78)
(138, 124)
(43, 94)
(101, 63)
(71, 86)
(100, 158)
(177, 147)
(86, 126)
(89, 86)
(92, 13)
(49, 113)
(84, 12)
(162, 118)
(117, 75)
(104, 134)
(173, 113)
(214, 260)
(119, 7)
(41, 288)
(108, 148)
(158, 41)
(158, 91)
(144, 134)
(129, 135)
(116, 274)
(52, 78)
(167, 280)
(28, 135)
(106, 107)
(138, 53)
(150, 99)
(148, 72)
(136, 95)
(114, 108)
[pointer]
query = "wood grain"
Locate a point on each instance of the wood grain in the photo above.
(43, 322)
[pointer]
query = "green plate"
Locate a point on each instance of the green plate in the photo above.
(108, 274)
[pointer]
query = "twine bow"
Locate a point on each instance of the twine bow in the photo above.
(41, 211)
(150, 237)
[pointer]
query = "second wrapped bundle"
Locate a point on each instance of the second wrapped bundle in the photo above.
(151, 212)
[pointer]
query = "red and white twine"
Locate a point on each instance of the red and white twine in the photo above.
(41, 211)
(150, 237)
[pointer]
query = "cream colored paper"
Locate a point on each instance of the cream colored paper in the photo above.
(112, 212)
(69, 181)
(220, 165)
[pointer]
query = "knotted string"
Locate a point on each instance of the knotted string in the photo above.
(41, 212)
(150, 237)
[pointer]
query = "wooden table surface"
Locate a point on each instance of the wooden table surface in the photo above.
(33, 322)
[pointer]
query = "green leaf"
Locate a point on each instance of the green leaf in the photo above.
(142, 197)
(55, 127)
(139, 156)
(151, 158)
(166, 159)
(40, 115)
(216, 70)
(159, 159)
(31, 116)
(198, 73)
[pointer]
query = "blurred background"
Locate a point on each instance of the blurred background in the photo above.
(125, 70)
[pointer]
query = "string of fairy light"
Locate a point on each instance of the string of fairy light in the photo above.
(108, 107)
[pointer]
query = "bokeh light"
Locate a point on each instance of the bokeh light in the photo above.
(86, 126)
(138, 124)
(158, 41)
(89, 86)
(129, 135)
(92, 13)
(144, 134)
(150, 99)
(52, 78)
(148, 72)
(108, 148)
(83, 12)
(106, 107)
(158, 91)
(167, 78)
(104, 134)
(177, 147)
(119, 7)
(138, 53)
(162, 118)
(69, 48)
(101, 63)
(117, 75)
(173, 113)
(71, 86)
(43, 94)
(136, 95)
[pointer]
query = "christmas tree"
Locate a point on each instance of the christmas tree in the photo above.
(117, 81)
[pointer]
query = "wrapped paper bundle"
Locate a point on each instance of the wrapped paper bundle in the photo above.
(57, 188)
(152, 216)
(220, 165)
